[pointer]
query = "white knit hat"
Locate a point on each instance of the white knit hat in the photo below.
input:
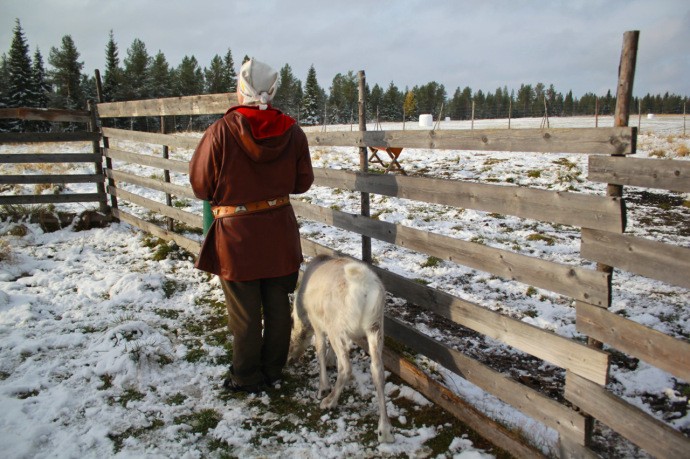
(257, 83)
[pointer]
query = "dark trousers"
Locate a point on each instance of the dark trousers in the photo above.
(259, 350)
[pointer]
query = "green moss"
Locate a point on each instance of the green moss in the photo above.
(200, 422)
(431, 262)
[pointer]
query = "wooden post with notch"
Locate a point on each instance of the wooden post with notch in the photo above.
(166, 178)
(106, 144)
(364, 164)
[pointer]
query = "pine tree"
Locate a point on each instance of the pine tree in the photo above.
(312, 101)
(230, 71)
(136, 82)
(342, 102)
(4, 96)
(373, 104)
(41, 89)
(289, 93)
(66, 76)
(189, 79)
(112, 78)
(160, 77)
(216, 77)
(20, 82)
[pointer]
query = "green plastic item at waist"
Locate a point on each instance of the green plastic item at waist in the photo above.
(208, 217)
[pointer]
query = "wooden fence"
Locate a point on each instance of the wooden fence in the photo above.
(601, 219)
(89, 133)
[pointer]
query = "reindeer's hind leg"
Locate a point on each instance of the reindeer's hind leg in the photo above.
(375, 341)
(340, 347)
(320, 344)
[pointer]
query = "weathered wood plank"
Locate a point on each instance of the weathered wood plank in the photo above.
(177, 190)
(188, 244)
(619, 140)
(43, 179)
(159, 207)
(577, 209)
(590, 363)
(652, 259)
(148, 160)
(656, 348)
(35, 137)
(637, 426)
(455, 405)
(206, 104)
(529, 401)
(578, 283)
(46, 114)
(52, 198)
(665, 174)
(151, 137)
(36, 158)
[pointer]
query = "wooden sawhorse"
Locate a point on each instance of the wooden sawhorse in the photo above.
(393, 154)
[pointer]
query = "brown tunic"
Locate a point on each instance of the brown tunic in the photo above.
(251, 155)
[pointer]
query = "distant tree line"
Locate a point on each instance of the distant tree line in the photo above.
(25, 82)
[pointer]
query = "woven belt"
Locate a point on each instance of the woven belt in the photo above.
(250, 207)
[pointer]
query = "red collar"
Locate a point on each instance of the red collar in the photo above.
(265, 123)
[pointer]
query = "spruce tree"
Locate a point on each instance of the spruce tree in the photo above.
(112, 78)
(160, 77)
(20, 82)
(189, 79)
(289, 93)
(135, 82)
(392, 104)
(4, 96)
(312, 101)
(41, 89)
(216, 77)
(66, 76)
(230, 71)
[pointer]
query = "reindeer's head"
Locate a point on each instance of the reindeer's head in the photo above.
(301, 333)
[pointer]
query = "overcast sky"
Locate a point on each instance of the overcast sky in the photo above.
(574, 44)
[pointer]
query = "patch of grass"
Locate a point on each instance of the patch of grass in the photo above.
(531, 291)
(431, 262)
(181, 203)
(541, 237)
(170, 287)
(421, 281)
(682, 151)
(658, 153)
(107, 381)
(176, 400)
(167, 313)
(4, 375)
(130, 395)
(534, 173)
(5, 251)
(23, 395)
(119, 439)
(200, 422)
(565, 162)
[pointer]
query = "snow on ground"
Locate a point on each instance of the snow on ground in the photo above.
(107, 350)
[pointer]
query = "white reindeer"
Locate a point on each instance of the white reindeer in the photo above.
(342, 300)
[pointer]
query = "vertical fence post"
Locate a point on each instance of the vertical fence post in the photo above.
(106, 145)
(364, 163)
(98, 165)
(473, 115)
(166, 177)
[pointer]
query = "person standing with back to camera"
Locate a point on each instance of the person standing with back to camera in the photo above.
(246, 165)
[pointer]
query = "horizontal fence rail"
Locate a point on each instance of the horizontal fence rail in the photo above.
(667, 174)
(619, 141)
(207, 104)
(46, 114)
(588, 211)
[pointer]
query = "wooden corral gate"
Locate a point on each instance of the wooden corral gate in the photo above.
(603, 239)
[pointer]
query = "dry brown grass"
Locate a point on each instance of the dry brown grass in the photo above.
(682, 151)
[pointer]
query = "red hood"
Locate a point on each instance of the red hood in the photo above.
(265, 123)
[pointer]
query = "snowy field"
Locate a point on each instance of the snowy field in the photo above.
(111, 347)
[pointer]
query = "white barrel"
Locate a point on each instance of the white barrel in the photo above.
(650, 116)
(426, 120)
